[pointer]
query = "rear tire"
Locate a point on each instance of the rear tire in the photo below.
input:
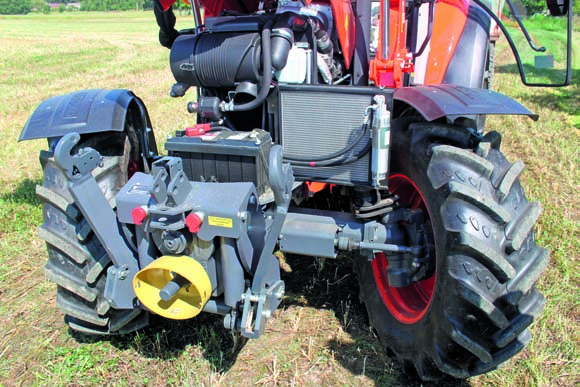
(77, 261)
(472, 314)
(489, 73)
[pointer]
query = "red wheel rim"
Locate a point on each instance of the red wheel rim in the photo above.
(132, 168)
(407, 304)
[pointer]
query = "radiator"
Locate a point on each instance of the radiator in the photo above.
(317, 120)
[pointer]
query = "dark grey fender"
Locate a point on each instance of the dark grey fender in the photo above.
(437, 101)
(467, 65)
(90, 111)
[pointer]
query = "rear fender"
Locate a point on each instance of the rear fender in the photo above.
(467, 66)
(91, 111)
(437, 101)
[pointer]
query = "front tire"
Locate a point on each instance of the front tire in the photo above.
(472, 314)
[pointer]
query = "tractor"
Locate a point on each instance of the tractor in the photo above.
(322, 128)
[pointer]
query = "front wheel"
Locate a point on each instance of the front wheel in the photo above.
(471, 312)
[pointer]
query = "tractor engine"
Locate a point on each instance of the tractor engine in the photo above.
(276, 70)
(235, 59)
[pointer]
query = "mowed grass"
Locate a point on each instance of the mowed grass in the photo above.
(320, 335)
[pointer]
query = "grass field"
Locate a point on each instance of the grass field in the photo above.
(319, 336)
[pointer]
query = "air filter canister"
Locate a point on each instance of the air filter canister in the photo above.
(216, 60)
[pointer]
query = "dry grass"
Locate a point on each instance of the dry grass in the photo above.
(319, 336)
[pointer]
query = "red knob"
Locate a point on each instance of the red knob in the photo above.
(139, 214)
(193, 222)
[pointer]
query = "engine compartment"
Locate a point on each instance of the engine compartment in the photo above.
(235, 60)
(276, 70)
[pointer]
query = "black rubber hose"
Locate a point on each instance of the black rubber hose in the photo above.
(283, 37)
(517, 55)
(333, 163)
(267, 74)
(332, 155)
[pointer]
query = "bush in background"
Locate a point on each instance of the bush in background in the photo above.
(14, 7)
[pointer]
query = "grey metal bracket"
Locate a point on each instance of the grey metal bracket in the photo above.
(159, 188)
(259, 308)
(267, 288)
(75, 167)
(97, 211)
(281, 180)
(170, 184)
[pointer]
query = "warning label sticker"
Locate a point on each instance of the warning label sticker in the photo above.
(220, 222)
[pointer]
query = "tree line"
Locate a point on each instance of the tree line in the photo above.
(11, 7)
(22, 7)
(115, 5)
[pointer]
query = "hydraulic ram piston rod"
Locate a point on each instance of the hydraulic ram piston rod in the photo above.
(333, 232)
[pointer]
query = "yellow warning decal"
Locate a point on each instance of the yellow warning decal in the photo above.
(220, 222)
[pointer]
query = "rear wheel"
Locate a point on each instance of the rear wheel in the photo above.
(488, 75)
(471, 313)
(77, 262)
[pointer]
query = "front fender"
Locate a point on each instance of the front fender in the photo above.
(91, 111)
(437, 101)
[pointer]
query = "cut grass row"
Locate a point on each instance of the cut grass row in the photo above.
(320, 334)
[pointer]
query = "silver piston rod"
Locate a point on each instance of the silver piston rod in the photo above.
(325, 233)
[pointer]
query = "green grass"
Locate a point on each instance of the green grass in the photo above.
(319, 336)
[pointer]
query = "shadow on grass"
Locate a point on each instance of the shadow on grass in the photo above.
(24, 193)
(316, 283)
(20, 210)
(332, 284)
(166, 339)
(563, 99)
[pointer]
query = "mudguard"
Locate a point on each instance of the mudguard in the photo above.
(90, 111)
(467, 66)
(437, 101)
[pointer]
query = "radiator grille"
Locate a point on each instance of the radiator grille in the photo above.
(318, 123)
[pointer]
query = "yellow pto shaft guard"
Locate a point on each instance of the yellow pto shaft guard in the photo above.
(173, 287)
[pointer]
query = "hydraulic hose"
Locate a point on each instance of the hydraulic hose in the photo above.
(517, 55)
(334, 155)
(333, 163)
(267, 73)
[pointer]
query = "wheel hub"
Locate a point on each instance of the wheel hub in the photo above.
(406, 283)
